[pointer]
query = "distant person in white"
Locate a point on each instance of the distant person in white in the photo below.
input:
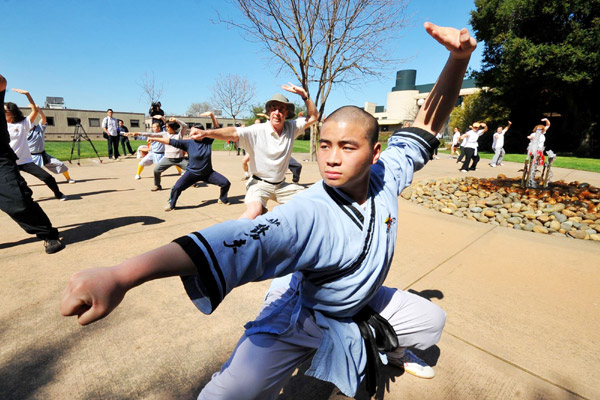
(498, 145)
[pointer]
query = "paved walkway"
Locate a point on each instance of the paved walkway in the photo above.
(523, 308)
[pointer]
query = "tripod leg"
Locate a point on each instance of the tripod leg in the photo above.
(79, 153)
(88, 139)
(72, 147)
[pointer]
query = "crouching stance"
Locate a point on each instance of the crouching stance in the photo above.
(331, 247)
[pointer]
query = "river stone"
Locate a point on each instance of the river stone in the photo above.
(489, 213)
(514, 220)
(590, 231)
(543, 218)
(483, 218)
(590, 216)
(595, 237)
(407, 193)
(555, 225)
(540, 229)
(459, 214)
(517, 226)
(561, 218)
(568, 213)
(476, 209)
(528, 227)
(446, 210)
(577, 234)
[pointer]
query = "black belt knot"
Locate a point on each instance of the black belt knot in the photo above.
(385, 341)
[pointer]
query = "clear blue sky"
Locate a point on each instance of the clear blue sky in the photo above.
(95, 53)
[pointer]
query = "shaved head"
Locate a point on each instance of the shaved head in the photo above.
(359, 116)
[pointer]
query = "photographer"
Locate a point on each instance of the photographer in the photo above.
(155, 109)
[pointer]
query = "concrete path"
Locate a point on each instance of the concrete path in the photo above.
(523, 308)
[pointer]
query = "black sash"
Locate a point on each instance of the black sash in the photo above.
(385, 341)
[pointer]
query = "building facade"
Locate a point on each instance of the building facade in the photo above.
(405, 100)
(63, 123)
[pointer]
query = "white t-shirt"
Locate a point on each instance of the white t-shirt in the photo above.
(455, 138)
(111, 125)
(269, 152)
(18, 140)
(499, 139)
(472, 137)
(541, 141)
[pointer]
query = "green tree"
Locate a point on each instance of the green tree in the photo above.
(483, 106)
(542, 57)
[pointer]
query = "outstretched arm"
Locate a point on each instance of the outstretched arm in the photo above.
(92, 294)
(228, 133)
(311, 109)
(547, 121)
(34, 109)
(442, 98)
(42, 115)
(212, 116)
(158, 139)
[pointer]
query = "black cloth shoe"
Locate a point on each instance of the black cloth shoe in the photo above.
(53, 246)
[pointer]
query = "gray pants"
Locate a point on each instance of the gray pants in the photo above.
(262, 364)
(498, 156)
(165, 164)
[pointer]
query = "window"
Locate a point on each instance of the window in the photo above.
(134, 123)
(72, 121)
(50, 121)
(94, 122)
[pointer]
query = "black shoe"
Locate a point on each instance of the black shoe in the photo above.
(53, 246)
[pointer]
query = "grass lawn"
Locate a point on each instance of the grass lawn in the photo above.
(562, 161)
(62, 151)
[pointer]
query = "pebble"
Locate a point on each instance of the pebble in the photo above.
(557, 211)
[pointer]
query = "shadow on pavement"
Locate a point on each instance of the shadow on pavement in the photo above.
(89, 230)
(79, 196)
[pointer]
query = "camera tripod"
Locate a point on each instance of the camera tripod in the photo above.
(78, 135)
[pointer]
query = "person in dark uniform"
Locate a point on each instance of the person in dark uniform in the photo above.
(15, 195)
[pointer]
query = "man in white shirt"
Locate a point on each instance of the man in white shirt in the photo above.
(498, 145)
(270, 148)
(110, 126)
(471, 145)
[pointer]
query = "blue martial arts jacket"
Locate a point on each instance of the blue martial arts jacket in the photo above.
(338, 251)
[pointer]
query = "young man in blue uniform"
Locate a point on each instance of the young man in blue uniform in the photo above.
(331, 245)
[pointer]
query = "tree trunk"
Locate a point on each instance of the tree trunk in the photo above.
(314, 132)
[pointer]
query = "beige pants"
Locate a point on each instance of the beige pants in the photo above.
(262, 192)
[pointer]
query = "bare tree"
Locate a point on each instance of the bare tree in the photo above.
(325, 42)
(232, 93)
(150, 88)
(196, 109)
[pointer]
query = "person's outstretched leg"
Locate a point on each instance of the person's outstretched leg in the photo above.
(16, 201)
(217, 179)
(262, 364)
(45, 177)
(186, 180)
(418, 323)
